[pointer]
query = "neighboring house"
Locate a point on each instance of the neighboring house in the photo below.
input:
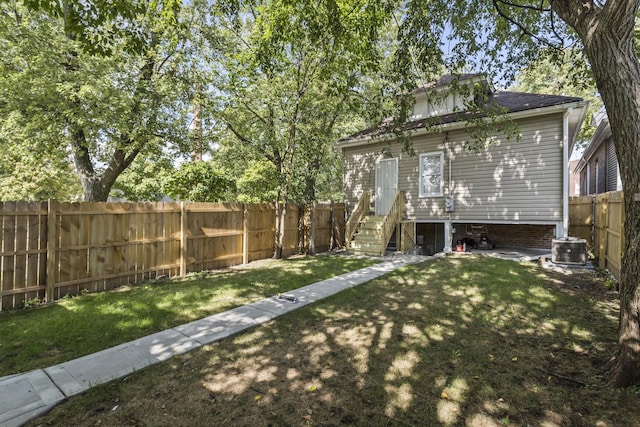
(574, 178)
(598, 167)
(515, 191)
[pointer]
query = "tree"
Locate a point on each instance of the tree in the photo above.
(288, 81)
(607, 35)
(106, 81)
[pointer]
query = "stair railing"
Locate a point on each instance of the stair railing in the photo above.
(356, 217)
(392, 219)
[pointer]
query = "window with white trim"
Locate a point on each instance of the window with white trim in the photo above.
(431, 171)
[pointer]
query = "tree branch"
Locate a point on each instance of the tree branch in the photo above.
(525, 6)
(615, 17)
(255, 113)
(81, 157)
(576, 13)
(246, 140)
(519, 25)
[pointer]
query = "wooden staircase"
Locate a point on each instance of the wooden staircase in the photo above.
(370, 234)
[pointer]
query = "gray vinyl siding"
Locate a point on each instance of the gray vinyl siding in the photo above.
(508, 181)
(359, 168)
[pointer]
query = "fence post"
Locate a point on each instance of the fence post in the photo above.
(604, 231)
(183, 238)
(52, 240)
(332, 221)
(245, 234)
(312, 229)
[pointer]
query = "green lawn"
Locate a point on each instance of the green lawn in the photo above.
(47, 335)
(463, 341)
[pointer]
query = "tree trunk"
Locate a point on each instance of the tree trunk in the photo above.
(617, 74)
(97, 186)
(282, 199)
(93, 190)
(281, 212)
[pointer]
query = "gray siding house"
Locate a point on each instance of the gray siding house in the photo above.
(514, 191)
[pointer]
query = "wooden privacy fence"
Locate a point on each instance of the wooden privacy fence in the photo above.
(53, 249)
(599, 219)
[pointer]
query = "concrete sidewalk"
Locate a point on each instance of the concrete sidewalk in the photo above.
(28, 395)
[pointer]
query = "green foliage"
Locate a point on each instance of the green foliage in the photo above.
(103, 106)
(498, 38)
(258, 183)
(32, 302)
(144, 179)
(199, 182)
(99, 25)
(31, 175)
(292, 85)
(566, 74)
(610, 281)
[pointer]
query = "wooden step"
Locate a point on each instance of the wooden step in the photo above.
(367, 238)
(367, 248)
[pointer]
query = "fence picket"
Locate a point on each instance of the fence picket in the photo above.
(599, 220)
(50, 249)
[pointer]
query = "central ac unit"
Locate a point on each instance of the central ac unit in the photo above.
(569, 250)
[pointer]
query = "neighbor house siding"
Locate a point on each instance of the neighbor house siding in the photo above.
(612, 167)
(508, 181)
(593, 179)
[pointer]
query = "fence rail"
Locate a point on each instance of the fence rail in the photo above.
(53, 249)
(599, 219)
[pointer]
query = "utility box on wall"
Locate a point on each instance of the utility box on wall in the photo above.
(449, 205)
(569, 250)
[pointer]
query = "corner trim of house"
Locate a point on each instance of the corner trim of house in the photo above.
(565, 173)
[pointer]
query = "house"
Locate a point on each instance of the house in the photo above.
(509, 192)
(574, 178)
(598, 166)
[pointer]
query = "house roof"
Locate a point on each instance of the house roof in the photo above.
(505, 102)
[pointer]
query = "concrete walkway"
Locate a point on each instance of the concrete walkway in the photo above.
(28, 395)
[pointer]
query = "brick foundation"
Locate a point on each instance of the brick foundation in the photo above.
(516, 235)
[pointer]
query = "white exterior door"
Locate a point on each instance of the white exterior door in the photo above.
(386, 184)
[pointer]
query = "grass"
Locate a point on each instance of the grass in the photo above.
(457, 341)
(73, 327)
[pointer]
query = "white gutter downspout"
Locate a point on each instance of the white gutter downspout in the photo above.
(448, 228)
(565, 178)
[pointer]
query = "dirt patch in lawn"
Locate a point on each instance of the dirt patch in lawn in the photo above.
(474, 341)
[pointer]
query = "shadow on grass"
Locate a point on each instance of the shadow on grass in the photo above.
(478, 342)
(74, 327)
